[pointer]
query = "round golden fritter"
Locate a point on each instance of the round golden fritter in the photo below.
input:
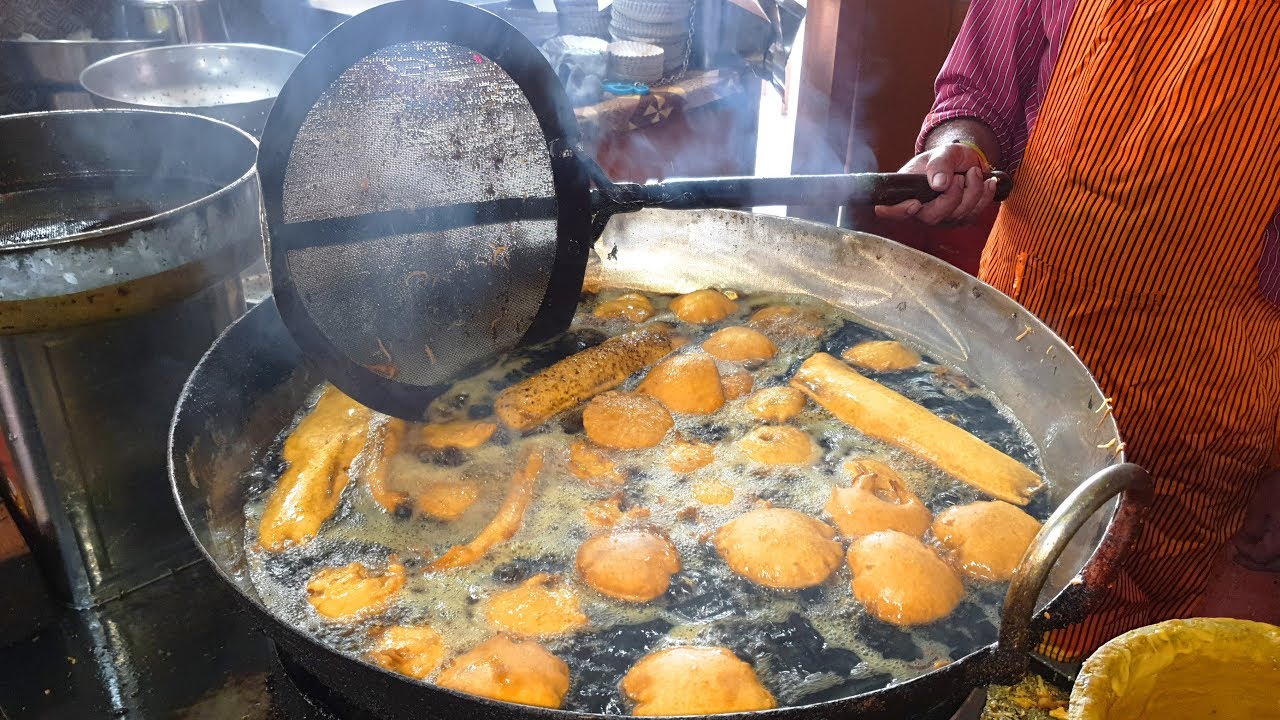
(988, 538)
(686, 384)
(686, 457)
(881, 355)
(736, 383)
(738, 343)
(878, 500)
(541, 606)
(901, 581)
(712, 492)
(776, 404)
(626, 421)
(779, 548)
(703, 306)
(413, 650)
(352, 591)
(634, 565)
(788, 322)
(694, 681)
(778, 445)
(631, 306)
(591, 465)
(503, 669)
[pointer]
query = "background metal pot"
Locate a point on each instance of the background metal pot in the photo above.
(218, 435)
(236, 83)
(122, 234)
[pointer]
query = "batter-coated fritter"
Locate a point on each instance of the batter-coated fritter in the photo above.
(634, 565)
(703, 306)
(686, 384)
(685, 456)
(503, 669)
(626, 421)
(447, 499)
(736, 383)
(541, 606)
(581, 376)
(352, 591)
(788, 322)
(593, 466)
(458, 434)
(694, 681)
(901, 581)
(779, 548)
(878, 500)
(378, 476)
(413, 650)
(319, 453)
(881, 356)
(776, 404)
(506, 522)
(634, 307)
(988, 538)
(778, 445)
(736, 344)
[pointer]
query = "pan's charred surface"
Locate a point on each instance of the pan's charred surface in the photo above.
(614, 554)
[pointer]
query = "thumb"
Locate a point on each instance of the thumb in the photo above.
(941, 168)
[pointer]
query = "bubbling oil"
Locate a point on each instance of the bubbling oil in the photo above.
(807, 646)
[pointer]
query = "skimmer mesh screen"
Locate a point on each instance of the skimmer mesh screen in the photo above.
(414, 127)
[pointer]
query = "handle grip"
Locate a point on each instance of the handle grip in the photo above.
(744, 192)
(1016, 633)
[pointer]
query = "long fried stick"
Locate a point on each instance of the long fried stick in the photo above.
(885, 415)
(581, 376)
(507, 520)
(393, 432)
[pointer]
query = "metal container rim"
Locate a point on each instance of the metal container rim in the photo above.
(247, 176)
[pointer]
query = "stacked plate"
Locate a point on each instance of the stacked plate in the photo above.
(537, 26)
(664, 23)
(637, 62)
(583, 18)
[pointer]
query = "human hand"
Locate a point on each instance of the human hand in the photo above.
(955, 170)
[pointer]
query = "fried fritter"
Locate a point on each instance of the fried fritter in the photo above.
(694, 681)
(503, 669)
(901, 581)
(634, 565)
(779, 548)
(988, 538)
(352, 591)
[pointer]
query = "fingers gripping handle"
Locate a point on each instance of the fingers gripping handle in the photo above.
(1016, 633)
(900, 187)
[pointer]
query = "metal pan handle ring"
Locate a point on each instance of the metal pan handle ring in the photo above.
(1016, 634)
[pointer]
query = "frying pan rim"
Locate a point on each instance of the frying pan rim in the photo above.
(978, 658)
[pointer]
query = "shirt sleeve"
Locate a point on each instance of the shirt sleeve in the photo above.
(992, 73)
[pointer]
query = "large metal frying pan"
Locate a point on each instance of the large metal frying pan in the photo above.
(253, 380)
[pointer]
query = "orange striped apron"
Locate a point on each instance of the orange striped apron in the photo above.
(1135, 231)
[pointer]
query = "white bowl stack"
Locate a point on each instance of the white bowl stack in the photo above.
(664, 23)
(637, 62)
(583, 17)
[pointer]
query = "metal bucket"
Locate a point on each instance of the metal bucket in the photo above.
(121, 236)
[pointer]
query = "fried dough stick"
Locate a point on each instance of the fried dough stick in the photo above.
(885, 415)
(581, 376)
(393, 432)
(319, 452)
(507, 520)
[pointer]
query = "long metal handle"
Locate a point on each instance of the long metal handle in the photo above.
(745, 192)
(1016, 636)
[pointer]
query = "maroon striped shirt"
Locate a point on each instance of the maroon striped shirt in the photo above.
(998, 71)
